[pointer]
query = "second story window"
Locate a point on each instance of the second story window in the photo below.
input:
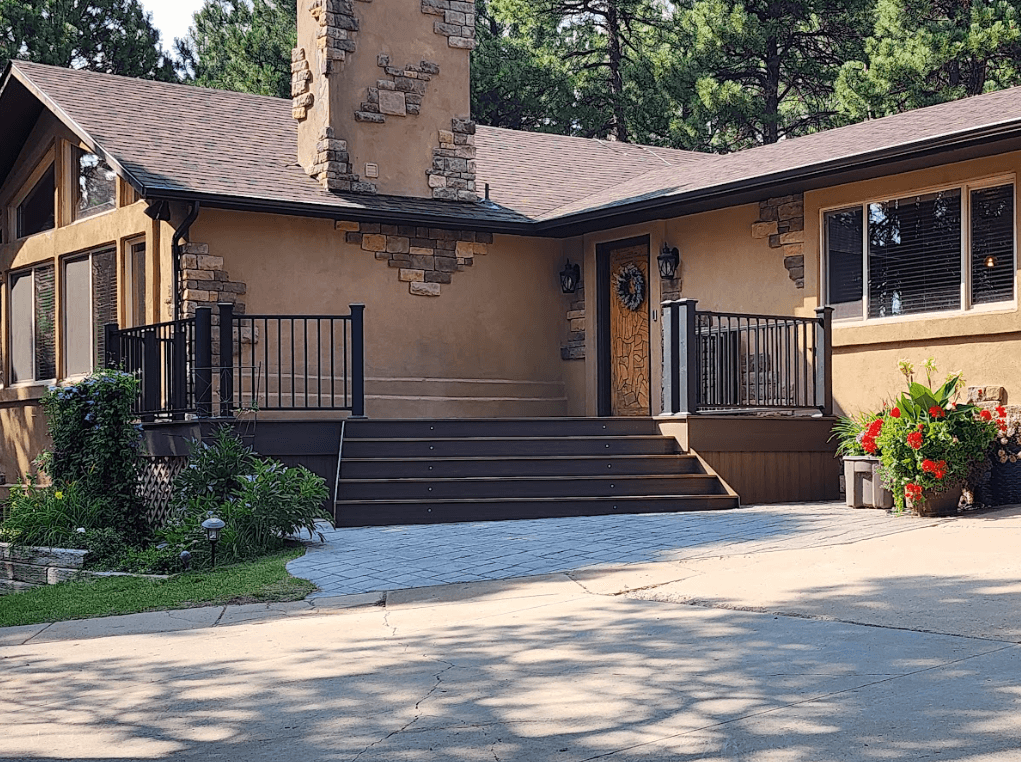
(36, 211)
(96, 190)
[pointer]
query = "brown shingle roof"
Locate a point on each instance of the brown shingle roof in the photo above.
(180, 139)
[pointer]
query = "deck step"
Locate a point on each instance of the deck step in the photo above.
(394, 512)
(573, 465)
(438, 471)
(451, 447)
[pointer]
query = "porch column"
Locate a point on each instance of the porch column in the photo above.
(680, 357)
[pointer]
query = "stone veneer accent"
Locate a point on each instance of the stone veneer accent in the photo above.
(301, 84)
(458, 24)
(575, 347)
(452, 175)
(782, 221)
(425, 258)
(204, 282)
(399, 95)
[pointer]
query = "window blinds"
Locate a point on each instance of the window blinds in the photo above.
(992, 244)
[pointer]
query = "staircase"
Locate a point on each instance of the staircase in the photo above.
(440, 471)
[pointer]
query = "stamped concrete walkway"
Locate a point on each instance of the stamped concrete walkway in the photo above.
(388, 558)
(806, 639)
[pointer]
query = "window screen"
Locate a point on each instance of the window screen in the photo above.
(136, 267)
(33, 351)
(97, 185)
(90, 302)
(844, 240)
(915, 254)
(36, 212)
(992, 244)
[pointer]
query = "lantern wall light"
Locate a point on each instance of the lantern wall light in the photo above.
(668, 260)
(570, 277)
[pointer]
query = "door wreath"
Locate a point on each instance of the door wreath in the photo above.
(630, 287)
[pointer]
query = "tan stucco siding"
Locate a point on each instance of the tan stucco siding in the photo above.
(489, 344)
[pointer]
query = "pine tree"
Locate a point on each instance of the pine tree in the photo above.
(242, 46)
(924, 52)
(111, 36)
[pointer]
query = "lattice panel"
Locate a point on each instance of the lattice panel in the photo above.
(156, 485)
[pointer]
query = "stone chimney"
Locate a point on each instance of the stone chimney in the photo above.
(381, 95)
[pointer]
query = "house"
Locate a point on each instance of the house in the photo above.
(805, 269)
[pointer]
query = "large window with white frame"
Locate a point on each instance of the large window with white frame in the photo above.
(945, 250)
(32, 314)
(89, 302)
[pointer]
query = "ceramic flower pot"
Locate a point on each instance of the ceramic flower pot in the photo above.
(938, 503)
(862, 485)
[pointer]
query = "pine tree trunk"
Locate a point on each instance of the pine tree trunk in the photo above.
(771, 117)
(616, 77)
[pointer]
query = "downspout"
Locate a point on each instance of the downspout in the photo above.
(175, 246)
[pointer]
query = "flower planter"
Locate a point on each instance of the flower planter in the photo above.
(862, 484)
(938, 503)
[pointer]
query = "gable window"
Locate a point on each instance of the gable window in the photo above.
(933, 252)
(96, 189)
(90, 302)
(36, 212)
(32, 319)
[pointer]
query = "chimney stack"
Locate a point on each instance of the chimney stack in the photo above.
(381, 93)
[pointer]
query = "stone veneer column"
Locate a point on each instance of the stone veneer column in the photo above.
(782, 221)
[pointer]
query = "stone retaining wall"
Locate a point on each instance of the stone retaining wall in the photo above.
(23, 568)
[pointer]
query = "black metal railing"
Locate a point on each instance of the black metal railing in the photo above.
(163, 356)
(292, 362)
(721, 361)
(205, 366)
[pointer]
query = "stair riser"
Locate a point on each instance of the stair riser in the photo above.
(536, 427)
(445, 513)
(460, 489)
(467, 448)
(450, 469)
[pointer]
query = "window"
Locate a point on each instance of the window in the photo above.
(32, 316)
(904, 256)
(135, 279)
(90, 302)
(36, 211)
(96, 191)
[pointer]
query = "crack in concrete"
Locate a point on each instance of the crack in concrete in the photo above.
(706, 604)
(36, 634)
(820, 697)
(418, 713)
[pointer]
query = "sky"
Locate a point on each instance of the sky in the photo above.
(171, 17)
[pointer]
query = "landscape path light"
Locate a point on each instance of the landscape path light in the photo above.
(213, 525)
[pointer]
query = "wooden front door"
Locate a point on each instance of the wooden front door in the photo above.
(629, 361)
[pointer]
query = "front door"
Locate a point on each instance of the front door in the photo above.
(626, 356)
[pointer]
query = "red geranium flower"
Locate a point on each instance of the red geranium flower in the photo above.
(874, 428)
(936, 468)
(937, 412)
(1001, 411)
(1002, 425)
(914, 440)
(869, 445)
(986, 415)
(895, 413)
(912, 491)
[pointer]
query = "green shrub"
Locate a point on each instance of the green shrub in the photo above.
(97, 447)
(51, 516)
(260, 500)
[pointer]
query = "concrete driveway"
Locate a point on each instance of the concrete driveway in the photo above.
(884, 646)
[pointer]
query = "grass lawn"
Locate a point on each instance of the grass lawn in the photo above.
(255, 581)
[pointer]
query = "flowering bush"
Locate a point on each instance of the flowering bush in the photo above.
(930, 443)
(856, 435)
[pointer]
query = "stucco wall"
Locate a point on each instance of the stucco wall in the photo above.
(725, 268)
(488, 345)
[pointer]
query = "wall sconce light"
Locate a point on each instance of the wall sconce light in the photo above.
(668, 260)
(990, 261)
(570, 277)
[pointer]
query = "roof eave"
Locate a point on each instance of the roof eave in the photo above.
(328, 211)
(76, 128)
(894, 160)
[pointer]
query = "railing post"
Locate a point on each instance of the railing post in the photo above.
(357, 360)
(688, 380)
(203, 371)
(151, 376)
(112, 343)
(671, 360)
(824, 360)
(226, 360)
